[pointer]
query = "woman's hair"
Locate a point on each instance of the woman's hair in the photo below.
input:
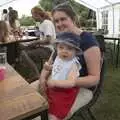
(3, 31)
(66, 9)
(41, 12)
(13, 15)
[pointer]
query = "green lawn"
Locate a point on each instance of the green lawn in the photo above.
(108, 105)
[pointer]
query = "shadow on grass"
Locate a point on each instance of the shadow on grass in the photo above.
(108, 106)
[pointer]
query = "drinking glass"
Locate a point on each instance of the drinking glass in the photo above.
(3, 61)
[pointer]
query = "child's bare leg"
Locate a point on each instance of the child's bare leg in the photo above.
(52, 117)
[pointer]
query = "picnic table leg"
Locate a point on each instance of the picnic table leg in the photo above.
(44, 115)
(117, 54)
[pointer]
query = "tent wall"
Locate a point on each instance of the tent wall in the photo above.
(113, 7)
(113, 18)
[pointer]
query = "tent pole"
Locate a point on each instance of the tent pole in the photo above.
(112, 14)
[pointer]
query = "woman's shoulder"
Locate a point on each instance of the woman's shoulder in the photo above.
(87, 40)
(46, 21)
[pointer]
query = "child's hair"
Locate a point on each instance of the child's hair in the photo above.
(3, 31)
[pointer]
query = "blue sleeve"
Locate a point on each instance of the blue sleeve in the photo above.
(87, 41)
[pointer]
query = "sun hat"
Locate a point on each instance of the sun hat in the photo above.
(69, 39)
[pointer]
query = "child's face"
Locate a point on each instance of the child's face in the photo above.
(65, 52)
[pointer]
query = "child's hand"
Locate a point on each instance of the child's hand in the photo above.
(51, 83)
(47, 66)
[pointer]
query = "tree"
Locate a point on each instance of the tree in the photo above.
(46, 4)
(27, 21)
(81, 11)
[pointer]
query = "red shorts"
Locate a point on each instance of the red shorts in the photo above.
(61, 100)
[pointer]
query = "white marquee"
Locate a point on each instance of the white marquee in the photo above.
(97, 4)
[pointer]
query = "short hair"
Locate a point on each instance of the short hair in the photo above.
(4, 10)
(66, 9)
(10, 8)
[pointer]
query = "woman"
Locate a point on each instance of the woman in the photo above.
(5, 35)
(64, 18)
(4, 16)
(46, 26)
(41, 48)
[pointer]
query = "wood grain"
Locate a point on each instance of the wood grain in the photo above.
(17, 99)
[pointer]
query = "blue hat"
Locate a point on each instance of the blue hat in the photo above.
(69, 38)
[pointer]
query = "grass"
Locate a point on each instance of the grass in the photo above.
(108, 106)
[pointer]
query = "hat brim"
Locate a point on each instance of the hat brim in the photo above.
(67, 43)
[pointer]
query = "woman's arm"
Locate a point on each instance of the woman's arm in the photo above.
(69, 82)
(92, 58)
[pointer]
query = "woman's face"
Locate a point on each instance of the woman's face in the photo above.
(62, 22)
(36, 16)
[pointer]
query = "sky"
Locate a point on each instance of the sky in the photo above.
(22, 6)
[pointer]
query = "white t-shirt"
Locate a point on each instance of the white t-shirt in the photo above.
(61, 68)
(47, 28)
(4, 17)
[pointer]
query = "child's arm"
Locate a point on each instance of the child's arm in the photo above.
(46, 71)
(47, 68)
(69, 82)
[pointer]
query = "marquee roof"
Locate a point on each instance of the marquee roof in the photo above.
(97, 4)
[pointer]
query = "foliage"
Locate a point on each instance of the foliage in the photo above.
(27, 21)
(81, 11)
(46, 4)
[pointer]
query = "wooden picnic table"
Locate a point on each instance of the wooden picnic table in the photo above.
(18, 100)
(13, 47)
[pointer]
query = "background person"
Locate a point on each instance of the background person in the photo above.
(13, 18)
(4, 15)
(64, 20)
(5, 35)
(40, 49)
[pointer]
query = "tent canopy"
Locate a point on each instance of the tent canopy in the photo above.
(97, 4)
(22, 6)
(92, 4)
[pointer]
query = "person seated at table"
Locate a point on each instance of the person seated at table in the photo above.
(14, 23)
(46, 27)
(4, 15)
(40, 49)
(5, 34)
